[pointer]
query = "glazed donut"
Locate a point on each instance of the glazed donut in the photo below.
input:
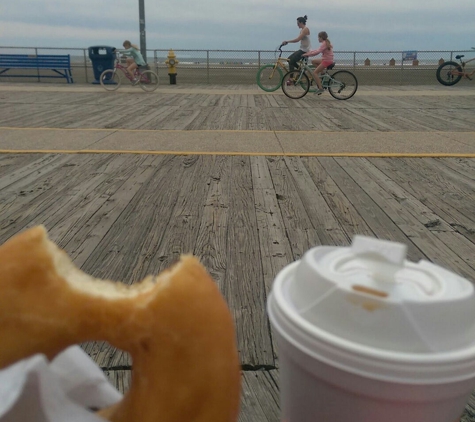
(176, 327)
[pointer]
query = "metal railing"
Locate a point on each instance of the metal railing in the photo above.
(224, 67)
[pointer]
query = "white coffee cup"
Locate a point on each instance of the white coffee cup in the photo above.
(364, 335)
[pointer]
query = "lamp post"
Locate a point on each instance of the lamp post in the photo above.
(143, 44)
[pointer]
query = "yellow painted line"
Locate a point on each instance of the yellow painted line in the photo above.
(279, 154)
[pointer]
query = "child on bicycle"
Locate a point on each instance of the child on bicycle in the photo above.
(304, 38)
(326, 49)
(134, 59)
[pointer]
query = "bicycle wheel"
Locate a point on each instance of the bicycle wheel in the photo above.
(295, 85)
(343, 85)
(148, 81)
(269, 77)
(110, 79)
(445, 73)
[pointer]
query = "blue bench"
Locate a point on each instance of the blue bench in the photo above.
(61, 64)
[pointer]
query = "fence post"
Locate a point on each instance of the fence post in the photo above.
(259, 59)
(354, 61)
(155, 59)
(37, 68)
(85, 64)
(402, 68)
(207, 65)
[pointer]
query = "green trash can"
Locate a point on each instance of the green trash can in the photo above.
(102, 58)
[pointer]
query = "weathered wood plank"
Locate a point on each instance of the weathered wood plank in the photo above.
(21, 115)
(257, 119)
(9, 162)
(260, 397)
(259, 393)
(244, 288)
(461, 247)
(115, 251)
(460, 185)
(47, 115)
(111, 175)
(300, 231)
(216, 120)
(462, 166)
(377, 219)
(84, 239)
(116, 242)
(33, 204)
(274, 244)
(392, 191)
(212, 241)
(183, 224)
(65, 116)
(155, 245)
(95, 117)
(346, 214)
(407, 221)
(237, 119)
(179, 119)
(106, 356)
(198, 121)
(25, 175)
(428, 194)
(328, 229)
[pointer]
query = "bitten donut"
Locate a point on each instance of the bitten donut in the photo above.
(176, 327)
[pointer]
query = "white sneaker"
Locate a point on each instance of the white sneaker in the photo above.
(319, 91)
(135, 81)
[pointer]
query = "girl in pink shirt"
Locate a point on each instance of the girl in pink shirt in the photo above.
(326, 49)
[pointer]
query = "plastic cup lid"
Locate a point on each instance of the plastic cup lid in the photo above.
(370, 294)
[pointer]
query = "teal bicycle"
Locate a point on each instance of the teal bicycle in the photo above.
(341, 85)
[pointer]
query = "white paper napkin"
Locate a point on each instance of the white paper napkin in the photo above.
(36, 390)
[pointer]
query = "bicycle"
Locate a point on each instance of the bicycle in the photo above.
(449, 73)
(111, 79)
(269, 76)
(341, 85)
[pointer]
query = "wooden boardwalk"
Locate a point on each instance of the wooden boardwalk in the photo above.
(123, 216)
(210, 108)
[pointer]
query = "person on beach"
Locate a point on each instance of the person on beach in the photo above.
(134, 59)
(304, 38)
(326, 49)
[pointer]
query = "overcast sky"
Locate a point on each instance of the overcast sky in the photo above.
(361, 25)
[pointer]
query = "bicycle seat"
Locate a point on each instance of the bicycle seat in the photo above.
(331, 66)
(459, 57)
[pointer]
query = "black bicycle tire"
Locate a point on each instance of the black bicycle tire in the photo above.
(258, 79)
(336, 95)
(115, 76)
(303, 76)
(439, 71)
